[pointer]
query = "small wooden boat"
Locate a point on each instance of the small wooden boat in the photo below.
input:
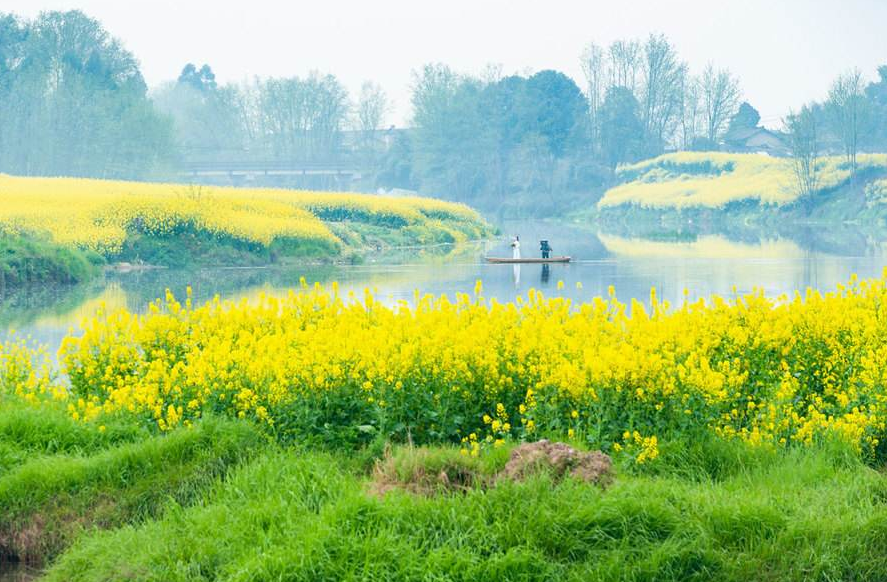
(502, 260)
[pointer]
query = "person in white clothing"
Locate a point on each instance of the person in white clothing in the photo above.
(515, 247)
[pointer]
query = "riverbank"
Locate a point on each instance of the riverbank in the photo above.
(331, 437)
(730, 191)
(213, 501)
(180, 226)
(29, 261)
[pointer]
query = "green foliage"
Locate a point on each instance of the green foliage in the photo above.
(89, 477)
(621, 127)
(477, 138)
(28, 432)
(746, 117)
(33, 261)
(73, 102)
(805, 515)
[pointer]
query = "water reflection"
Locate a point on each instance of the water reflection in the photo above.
(724, 262)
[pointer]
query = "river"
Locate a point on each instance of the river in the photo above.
(703, 264)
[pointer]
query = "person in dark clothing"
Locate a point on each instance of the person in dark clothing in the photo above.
(546, 249)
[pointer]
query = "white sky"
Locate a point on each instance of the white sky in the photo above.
(785, 52)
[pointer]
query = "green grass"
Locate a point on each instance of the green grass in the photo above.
(27, 261)
(28, 432)
(192, 248)
(62, 480)
(702, 512)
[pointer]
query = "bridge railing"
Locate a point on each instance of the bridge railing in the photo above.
(270, 166)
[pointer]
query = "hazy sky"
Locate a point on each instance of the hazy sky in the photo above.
(785, 52)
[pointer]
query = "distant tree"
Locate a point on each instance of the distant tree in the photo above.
(396, 167)
(876, 93)
(203, 79)
(501, 105)
(701, 143)
(594, 67)
(73, 102)
(372, 107)
(660, 91)
(448, 146)
(625, 64)
(848, 111)
(720, 98)
(552, 106)
(210, 121)
(621, 127)
(370, 112)
(691, 112)
(746, 117)
(301, 118)
(801, 128)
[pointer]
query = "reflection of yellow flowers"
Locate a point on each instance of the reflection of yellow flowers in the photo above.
(772, 372)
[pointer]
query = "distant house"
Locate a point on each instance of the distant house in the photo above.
(755, 140)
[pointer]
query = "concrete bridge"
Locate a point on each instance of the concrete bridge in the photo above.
(254, 169)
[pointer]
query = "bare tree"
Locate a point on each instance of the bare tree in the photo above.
(302, 118)
(625, 64)
(594, 67)
(720, 99)
(848, 112)
(801, 128)
(660, 95)
(371, 110)
(691, 111)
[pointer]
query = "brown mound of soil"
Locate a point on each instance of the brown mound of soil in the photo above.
(559, 459)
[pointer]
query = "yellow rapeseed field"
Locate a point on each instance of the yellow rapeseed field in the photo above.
(100, 215)
(712, 180)
(313, 364)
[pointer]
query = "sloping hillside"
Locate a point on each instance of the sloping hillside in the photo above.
(709, 183)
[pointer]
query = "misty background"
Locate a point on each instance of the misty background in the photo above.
(500, 104)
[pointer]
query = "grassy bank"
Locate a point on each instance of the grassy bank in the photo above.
(742, 188)
(214, 502)
(711, 513)
(180, 225)
(60, 480)
(31, 261)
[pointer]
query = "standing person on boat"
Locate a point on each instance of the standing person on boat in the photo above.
(515, 247)
(545, 248)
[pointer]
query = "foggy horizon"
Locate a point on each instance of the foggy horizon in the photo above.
(784, 54)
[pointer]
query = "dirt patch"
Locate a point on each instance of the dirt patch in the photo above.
(423, 474)
(560, 460)
(39, 536)
(430, 472)
(23, 544)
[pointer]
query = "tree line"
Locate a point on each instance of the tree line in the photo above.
(852, 117)
(73, 102)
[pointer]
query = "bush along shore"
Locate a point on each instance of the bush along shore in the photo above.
(322, 438)
(27, 261)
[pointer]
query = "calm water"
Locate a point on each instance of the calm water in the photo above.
(671, 261)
